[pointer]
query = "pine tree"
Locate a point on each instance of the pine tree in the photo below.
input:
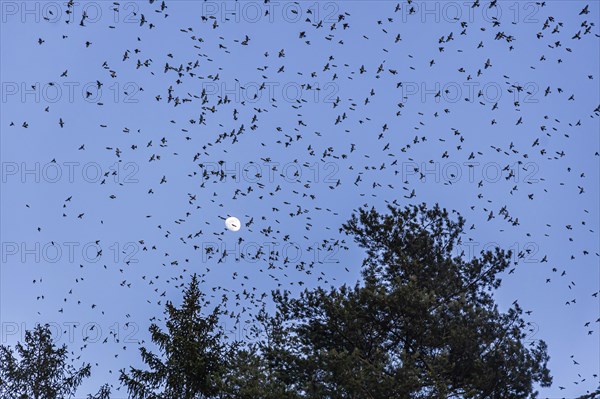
(193, 354)
(103, 393)
(40, 370)
(593, 395)
(422, 324)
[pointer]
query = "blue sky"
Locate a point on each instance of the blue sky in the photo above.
(327, 73)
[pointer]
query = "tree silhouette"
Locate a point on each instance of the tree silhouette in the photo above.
(40, 370)
(423, 323)
(193, 354)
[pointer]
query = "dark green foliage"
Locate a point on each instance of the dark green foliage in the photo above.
(194, 355)
(103, 393)
(593, 395)
(40, 369)
(422, 325)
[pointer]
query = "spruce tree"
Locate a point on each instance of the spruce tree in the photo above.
(193, 353)
(38, 369)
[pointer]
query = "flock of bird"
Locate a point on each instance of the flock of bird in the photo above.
(362, 133)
